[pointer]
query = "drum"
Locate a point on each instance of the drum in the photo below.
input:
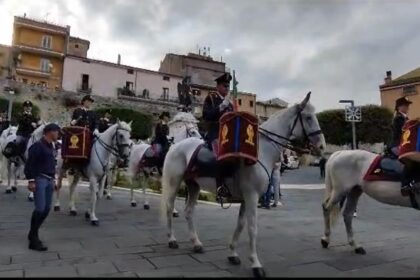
(238, 137)
(410, 142)
(76, 143)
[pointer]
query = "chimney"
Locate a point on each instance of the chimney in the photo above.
(119, 59)
(388, 77)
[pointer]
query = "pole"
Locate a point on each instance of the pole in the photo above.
(234, 92)
(353, 126)
(9, 110)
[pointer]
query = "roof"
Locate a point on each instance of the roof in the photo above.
(196, 56)
(274, 102)
(41, 23)
(120, 65)
(246, 93)
(410, 77)
(72, 38)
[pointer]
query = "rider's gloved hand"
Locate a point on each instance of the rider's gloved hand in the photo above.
(33, 125)
(224, 104)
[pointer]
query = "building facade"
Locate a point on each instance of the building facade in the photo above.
(266, 109)
(200, 69)
(407, 85)
(112, 79)
(39, 49)
(78, 47)
(247, 102)
(5, 61)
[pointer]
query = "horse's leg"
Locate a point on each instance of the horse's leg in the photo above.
(93, 186)
(251, 203)
(108, 181)
(9, 174)
(73, 185)
(58, 190)
(352, 199)
(145, 197)
(131, 183)
(234, 257)
(15, 177)
(171, 188)
(193, 193)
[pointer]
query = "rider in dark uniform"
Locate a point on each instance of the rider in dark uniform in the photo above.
(83, 116)
(400, 118)
(161, 138)
(27, 123)
(105, 122)
(215, 105)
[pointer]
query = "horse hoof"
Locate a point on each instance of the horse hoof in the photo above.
(258, 272)
(198, 249)
(14, 189)
(175, 215)
(133, 204)
(360, 251)
(324, 243)
(173, 245)
(8, 191)
(105, 193)
(30, 198)
(87, 215)
(146, 207)
(94, 223)
(109, 198)
(56, 208)
(234, 260)
(73, 213)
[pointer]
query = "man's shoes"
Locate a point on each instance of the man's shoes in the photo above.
(37, 245)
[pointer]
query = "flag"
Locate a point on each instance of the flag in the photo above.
(234, 91)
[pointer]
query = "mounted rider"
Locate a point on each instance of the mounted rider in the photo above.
(215, 105)
(84, 116)
(106, 121)
(400, 118)
(161, 142)
(27, 123)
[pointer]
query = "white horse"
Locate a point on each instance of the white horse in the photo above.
(182, 126)
(249, 181)
(115, 140)
(15, 164)
(344, 178)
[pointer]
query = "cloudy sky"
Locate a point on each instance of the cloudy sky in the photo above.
(337, 49)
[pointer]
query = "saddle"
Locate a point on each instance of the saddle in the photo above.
(385, 169)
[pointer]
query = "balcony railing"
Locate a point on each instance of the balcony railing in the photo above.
(84, 90)
(38, 50)
(32, 71)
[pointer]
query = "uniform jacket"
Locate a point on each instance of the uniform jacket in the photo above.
(161, 133)
(397, 126)
(212, 114)
(104, 124)
(86, 118)
(25, 124)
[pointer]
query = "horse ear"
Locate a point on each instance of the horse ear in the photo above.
(305, 101)
(129, 124)
(118, 121)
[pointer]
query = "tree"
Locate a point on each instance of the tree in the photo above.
(374, 128)
(17, 108)
(141, 126)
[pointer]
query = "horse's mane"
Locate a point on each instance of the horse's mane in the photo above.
(183, 117)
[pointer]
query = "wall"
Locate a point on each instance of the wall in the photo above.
(33, 38)
(245, 102)
(264, 111)
(104, 79)
(389, 96)
(78, 47)
(5, 56)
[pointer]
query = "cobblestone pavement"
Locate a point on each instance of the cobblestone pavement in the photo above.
(131, 242)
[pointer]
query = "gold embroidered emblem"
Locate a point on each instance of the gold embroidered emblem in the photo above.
(406, 137)
(74, 140)
(250, 133)
(225, 131)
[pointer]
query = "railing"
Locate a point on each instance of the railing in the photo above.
(84, 90)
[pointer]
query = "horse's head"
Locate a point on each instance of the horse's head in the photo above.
(122, 139)
(305, 125)
(183, 125)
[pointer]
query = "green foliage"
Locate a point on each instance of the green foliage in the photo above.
(374, 128)
(141, 126)
(17, 108)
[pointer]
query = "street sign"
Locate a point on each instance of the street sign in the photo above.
(353, 113)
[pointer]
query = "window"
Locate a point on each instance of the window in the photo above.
(409, 90)
(196, 92)
(46, 42)
(129, 85)
(166, 78)
(251, 103)
(165, 94)
(85, 82)
(76, 46)
(240, 102)
(130, 71)
(45, 65)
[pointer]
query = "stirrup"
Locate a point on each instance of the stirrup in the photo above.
(222, 196)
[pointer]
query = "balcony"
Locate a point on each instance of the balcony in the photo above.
(86, 90)
(32, 72)
(38, 50)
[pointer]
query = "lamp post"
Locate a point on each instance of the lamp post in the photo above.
(353, 114)
(9, 111)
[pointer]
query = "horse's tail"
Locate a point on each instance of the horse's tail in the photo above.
(330, 202)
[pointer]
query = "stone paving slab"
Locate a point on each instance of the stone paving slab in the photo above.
(132, 242)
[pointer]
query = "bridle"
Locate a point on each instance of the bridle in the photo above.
(288, 145)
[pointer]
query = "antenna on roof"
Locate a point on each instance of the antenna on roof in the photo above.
(46, 16)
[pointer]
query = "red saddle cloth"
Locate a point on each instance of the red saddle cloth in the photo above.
(376, 173)
(77, 144)
(410, 142)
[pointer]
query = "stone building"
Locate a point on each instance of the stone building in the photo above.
(78, 47)
(247, 102)
(266, 109)
(5, 61)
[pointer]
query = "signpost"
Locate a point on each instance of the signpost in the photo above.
(353, 114)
